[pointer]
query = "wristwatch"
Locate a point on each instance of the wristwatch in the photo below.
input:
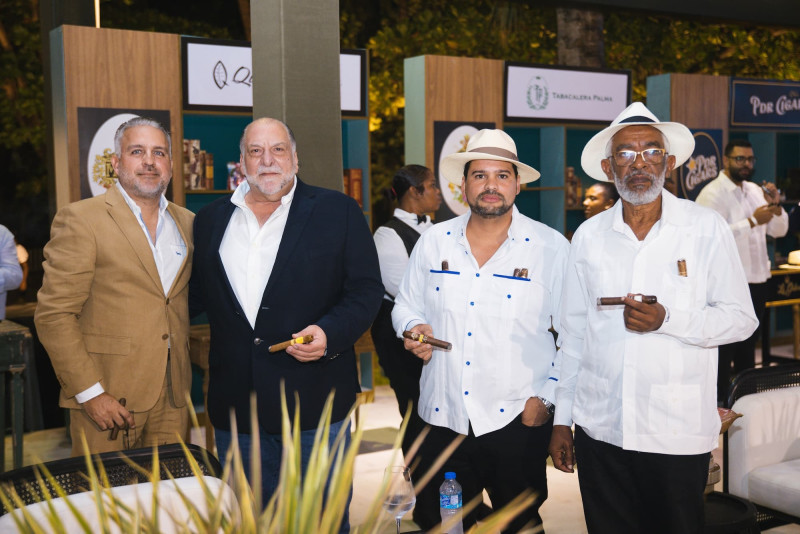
(551, 408)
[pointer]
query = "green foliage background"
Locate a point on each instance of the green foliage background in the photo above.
(392, 30)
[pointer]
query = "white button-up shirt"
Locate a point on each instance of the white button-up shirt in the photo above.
(503, 352)
(736, 204)
(392, 253)
(248, 251)
(654, 391)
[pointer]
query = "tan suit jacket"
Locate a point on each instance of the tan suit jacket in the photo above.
(102, 314)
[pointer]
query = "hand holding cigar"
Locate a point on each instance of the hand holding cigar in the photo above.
(422, 338)
(296, 341)
(115, 429)
(615, 301)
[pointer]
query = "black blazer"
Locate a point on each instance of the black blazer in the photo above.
(326, 273)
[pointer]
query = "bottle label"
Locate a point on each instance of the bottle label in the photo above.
(450, 501)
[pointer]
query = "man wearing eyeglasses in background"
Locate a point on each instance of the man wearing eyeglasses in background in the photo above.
(637, 378)
(753, 212)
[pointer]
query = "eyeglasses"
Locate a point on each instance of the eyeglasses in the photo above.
(743, 159)
(623, 158)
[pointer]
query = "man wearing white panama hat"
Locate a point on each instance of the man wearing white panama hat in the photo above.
(489, 282)
(638, 379)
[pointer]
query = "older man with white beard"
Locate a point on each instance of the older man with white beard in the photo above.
(638, 378)
(278, 260)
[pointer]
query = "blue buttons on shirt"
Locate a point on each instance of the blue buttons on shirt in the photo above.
(527, 239)
(509, 296)
(502, 410)
(448, 233)
(437, 288)
(467, 363)
(469, 333)
(437, 409)
(466, 393)
(472, 303)
(478, 274)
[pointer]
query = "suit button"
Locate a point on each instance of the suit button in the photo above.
(257, 341)
(165, 336)
(167, 301)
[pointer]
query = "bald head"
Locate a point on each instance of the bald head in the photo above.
(266, 121)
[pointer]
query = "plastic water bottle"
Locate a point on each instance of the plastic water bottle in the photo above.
(450, 502)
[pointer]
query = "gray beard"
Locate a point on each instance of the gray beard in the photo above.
(640, 198)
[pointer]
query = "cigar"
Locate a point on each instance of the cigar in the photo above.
(422, 338)
(613, 301)
(296, 341)
(682, 268)
(516, 273)
(115, 428)
(445, 265)
(523, 273)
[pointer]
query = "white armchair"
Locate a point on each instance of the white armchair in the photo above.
(763, 448)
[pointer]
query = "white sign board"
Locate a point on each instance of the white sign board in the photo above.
(559, 94)
(218, 76)
(351, 76)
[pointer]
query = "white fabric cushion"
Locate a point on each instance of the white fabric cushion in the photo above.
(776, 486)
(768, 434)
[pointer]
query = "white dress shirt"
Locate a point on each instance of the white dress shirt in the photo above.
(169, 252)
(392, 253)
(736, 204)
(655, 391)
(502, 353)
(248, 250)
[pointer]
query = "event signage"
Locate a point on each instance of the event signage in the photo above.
(218, 76)
(564, 94)
(704, 164)
(772, 104)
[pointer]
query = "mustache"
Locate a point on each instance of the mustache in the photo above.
(273, 169)
(495, 193)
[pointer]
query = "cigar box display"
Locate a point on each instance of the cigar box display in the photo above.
(235, 175)
(198, 166)
(353, 185)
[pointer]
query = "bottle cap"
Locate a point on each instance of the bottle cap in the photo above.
(450, 475)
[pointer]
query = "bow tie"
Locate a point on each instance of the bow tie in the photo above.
(422, 219)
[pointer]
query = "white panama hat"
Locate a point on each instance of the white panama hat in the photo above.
(680, 141)
(487, 144)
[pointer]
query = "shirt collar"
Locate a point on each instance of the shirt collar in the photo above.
(243, 188)
(513, 229)
(408, 217)
(162, 202)
(671, 213)
(727, 183)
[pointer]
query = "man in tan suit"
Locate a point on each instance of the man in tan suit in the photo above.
(113, 309)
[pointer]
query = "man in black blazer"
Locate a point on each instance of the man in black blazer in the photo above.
(278, 260)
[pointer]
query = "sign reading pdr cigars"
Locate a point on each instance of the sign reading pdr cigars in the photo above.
(770, 104)
(543, 93)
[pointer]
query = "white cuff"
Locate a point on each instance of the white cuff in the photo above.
(90, 393)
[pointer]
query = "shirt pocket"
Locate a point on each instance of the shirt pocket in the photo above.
(520, 298)
(678, 291)
(674, 409)
(442, 287)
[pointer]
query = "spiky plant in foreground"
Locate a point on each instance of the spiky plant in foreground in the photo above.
(299, 506)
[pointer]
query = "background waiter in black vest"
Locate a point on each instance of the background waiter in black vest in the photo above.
(417, 193)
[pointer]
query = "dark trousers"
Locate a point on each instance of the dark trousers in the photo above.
(505, 462)
(737, 357)
(630, 492)
(401, 367)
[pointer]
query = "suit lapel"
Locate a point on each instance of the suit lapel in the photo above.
(122, 215)
(299, 215)
(217, 232)
(183, 274)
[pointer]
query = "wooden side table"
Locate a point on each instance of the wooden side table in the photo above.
(16, 344)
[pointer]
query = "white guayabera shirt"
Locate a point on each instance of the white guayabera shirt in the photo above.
(503, 352)
(655, 391)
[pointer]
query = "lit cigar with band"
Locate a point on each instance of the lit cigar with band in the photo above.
(422, 338)
(613, 301)
(296, 341)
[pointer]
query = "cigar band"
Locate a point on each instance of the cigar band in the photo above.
(421, 338)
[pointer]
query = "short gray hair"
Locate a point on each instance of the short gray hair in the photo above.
(133, 123)
(289, 132)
